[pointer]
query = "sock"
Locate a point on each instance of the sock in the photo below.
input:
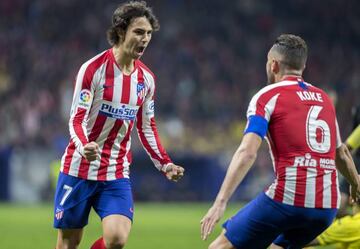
(99, 244)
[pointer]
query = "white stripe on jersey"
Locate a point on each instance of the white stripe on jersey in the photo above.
(327, 189)
(338, 136)
(290, 185)
(75, 163)
(270, 106)
(311, 174)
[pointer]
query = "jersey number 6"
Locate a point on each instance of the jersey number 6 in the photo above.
(317, 131)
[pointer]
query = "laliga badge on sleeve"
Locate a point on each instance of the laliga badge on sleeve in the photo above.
(85, 98)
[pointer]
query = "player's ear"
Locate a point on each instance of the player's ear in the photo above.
(275, 66)
(121, 34)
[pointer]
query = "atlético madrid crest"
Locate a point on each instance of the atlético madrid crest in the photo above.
(141, 90)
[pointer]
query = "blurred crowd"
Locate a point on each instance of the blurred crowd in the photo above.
(209, 58)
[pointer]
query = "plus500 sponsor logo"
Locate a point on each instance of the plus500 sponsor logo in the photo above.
(123, 112)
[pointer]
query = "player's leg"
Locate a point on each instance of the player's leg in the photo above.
(221, 242)
(273, 246)
(255, 226)
(311, 223)
(114, 205)
(69, 238)
(116, 230)
(71, 209)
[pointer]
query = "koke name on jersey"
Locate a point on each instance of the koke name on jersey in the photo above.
(307, 95)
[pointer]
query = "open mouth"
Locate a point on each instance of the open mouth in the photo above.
(140, 49)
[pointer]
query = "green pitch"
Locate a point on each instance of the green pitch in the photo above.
(156, 226)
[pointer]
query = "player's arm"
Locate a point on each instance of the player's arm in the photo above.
(240, 164)
(259, 112)
(149, 137)
(353, 141)
(346, 166)
(80, 108)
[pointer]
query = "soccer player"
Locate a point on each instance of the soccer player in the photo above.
(299, 122)
(112, 91)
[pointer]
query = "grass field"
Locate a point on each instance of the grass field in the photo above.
(156, 226)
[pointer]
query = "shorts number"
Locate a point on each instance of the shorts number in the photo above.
(68, 190)
(317, 131)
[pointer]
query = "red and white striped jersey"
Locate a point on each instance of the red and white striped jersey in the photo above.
(106, 103)
(303, 136)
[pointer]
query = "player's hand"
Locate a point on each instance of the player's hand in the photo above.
(354, 194)
(212, 217)
(174, 172)
(91, 151)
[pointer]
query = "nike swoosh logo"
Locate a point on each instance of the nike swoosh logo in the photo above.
(108, 86)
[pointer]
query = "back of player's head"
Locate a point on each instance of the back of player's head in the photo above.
(123, 16)
(293, 51)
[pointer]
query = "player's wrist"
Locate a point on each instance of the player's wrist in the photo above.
(165, 167)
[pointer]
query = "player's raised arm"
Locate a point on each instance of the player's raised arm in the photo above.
(149, 137)
(240, 164)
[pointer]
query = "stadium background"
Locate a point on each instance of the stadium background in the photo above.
(209, 58)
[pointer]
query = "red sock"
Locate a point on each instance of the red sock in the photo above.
(99, 244)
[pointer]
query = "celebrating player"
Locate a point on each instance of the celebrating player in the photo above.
(299, 122)
(113, 89)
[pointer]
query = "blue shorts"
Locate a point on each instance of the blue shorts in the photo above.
(74, 198)
(263, 221)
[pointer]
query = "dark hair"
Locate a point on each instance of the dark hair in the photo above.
(123, 16)
(293, 50)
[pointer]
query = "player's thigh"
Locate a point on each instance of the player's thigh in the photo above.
(116, 229)
(314, 224)
(256, 225)
(114, 197)
(73, 201)
(221, 242)
(69, 238)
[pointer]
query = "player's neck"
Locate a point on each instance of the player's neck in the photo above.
(125, 62)
(288, 74)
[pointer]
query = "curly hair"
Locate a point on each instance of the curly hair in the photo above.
(123, 16)
(293, 49)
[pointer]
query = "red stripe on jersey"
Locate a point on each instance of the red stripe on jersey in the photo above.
(109, 82)
(280, 187)
(334, 193)
(319, 188)
(300, 188)
(122, 152)
(68, 158)
(140, 77)
(106, 150)
(125, 96)
(77, 124)
(94, 134)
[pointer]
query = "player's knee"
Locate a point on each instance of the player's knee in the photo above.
(215, 245)
(115, 241)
